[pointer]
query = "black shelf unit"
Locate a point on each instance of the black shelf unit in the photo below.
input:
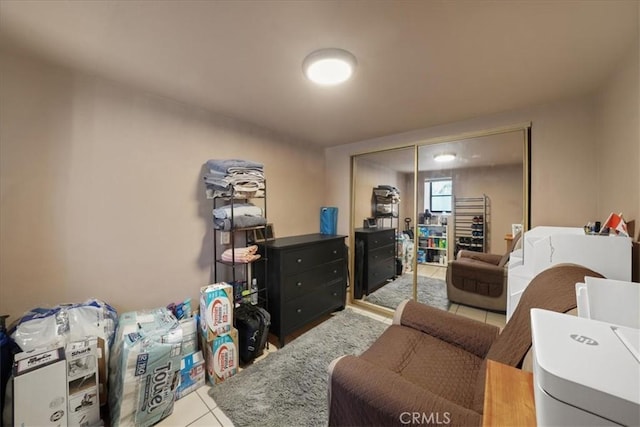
(385, 209)
(470, 223)
(235, 272)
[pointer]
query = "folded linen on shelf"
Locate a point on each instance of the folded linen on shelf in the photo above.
(238, 209)
(243, 255)
(386, 194)
(240, 178)
(245, 215)
(243, 221)
(232, 165)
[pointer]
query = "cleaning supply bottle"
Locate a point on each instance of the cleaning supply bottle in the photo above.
(254, 291)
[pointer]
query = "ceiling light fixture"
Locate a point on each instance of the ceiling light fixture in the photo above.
(329, 67)
(444, 157)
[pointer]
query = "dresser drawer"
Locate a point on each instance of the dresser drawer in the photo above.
(302, 310)
(305, 258)
(380, 239)
(377, 255)
(306, 282)
(380, 272)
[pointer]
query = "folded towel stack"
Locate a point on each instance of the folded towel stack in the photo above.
(241, 255)
(236, 178)
(238, 215)
(386, 194)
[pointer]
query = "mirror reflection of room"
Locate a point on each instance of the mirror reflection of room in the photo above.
(383, 201)
(422, 235)
(470, 198)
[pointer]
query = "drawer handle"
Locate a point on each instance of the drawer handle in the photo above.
(299, 310)
(375, 241)
(335, 271)
(299, 260)
(335, 251)
(335, 294)
(299, 284)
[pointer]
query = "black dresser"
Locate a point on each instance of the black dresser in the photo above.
(375, 259)
(306, 279)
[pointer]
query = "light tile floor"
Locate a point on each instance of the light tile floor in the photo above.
(199, 409)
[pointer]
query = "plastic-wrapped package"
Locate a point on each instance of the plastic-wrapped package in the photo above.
(64, 323)
(144, 367)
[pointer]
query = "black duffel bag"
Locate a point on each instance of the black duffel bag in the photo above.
(252, 323)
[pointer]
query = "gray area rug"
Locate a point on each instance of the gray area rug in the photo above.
(289, 387)
(431, 291)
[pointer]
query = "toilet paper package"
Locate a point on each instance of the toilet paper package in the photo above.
(144, 367)
(216, 310)
(189, 335)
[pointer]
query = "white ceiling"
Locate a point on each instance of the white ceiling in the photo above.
(420, 63)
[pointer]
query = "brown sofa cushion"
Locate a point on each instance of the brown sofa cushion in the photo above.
(449, 371)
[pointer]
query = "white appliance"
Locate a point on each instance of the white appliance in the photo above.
(611, 301)
(585, 372)
(544, 247)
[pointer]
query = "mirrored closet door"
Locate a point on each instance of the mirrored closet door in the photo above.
(383, 221)
(470, 194)
(414, 208)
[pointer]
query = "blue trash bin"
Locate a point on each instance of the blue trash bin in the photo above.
(328, 220)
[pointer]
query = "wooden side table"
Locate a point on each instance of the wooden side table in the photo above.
(508, 396)
(508, 238)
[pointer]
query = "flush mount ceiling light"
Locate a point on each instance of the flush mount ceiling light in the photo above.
(444, 157)
(329, 67)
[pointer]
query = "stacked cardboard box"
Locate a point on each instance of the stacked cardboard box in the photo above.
(39, 388)
(218, 336)
(83, 382)
(191, 374)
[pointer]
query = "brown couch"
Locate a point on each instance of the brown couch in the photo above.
(432, 363)
(479, 279)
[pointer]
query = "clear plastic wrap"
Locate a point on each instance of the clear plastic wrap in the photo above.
(64, 323)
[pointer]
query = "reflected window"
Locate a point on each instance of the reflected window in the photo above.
(437, 195)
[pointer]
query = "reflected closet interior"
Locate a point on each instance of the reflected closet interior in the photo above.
(411, 212)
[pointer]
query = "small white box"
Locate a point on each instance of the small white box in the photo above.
(82, 378)
(40, 388)
(216, 310)
(192, 373)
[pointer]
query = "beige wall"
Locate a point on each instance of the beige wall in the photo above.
(618, 142)
(101, 192)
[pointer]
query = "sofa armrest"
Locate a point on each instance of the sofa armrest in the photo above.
(362, 394)
(474, 336)
(480, 256)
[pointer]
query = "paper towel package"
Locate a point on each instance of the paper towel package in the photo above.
(39, 388)
(216, 310)
(144, 367)
(221, 356)
(82, 382)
